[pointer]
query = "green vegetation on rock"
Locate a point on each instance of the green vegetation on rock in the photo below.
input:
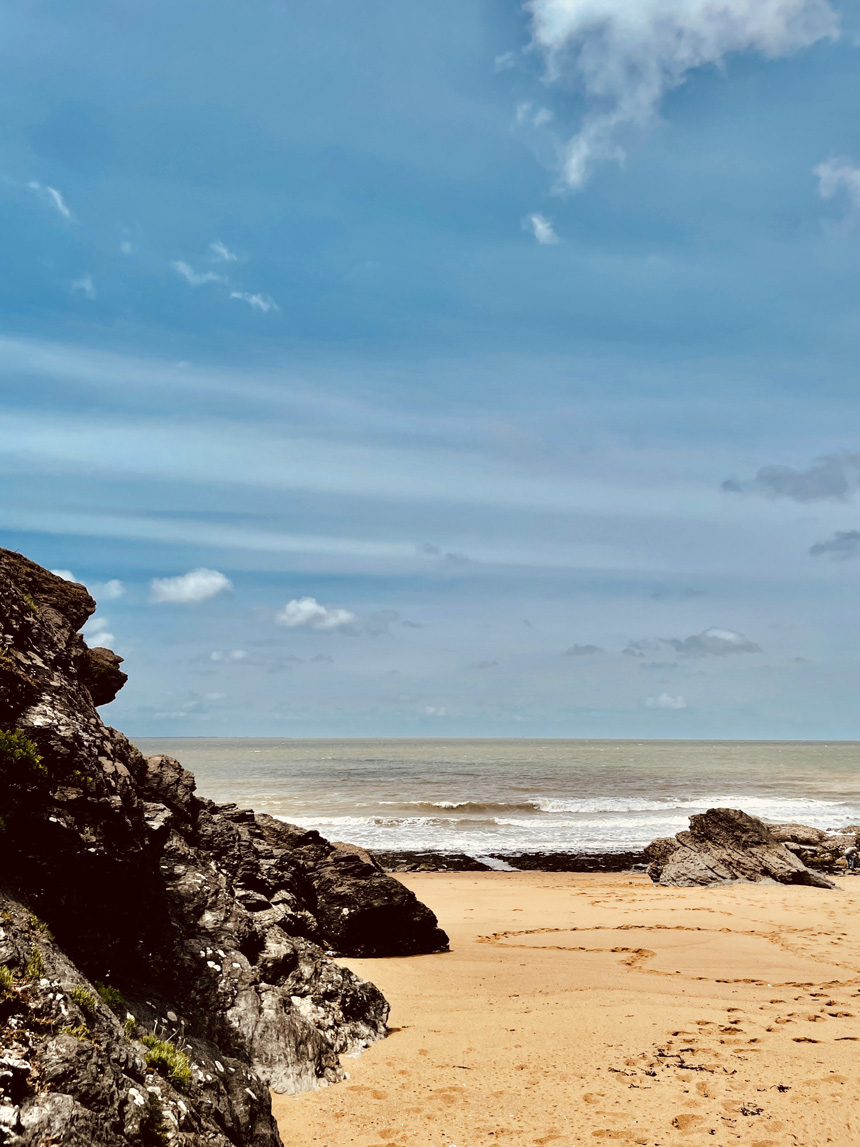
(85, 1000)
(168, 1060)
(35, 965)
(113, 997)
(20, 758)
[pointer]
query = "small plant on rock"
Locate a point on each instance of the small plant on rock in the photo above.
(168, 1060)
(6, 980)
(79, 1031)
(113, 997)
(35, 965)
(19, 756)
(85, 1000)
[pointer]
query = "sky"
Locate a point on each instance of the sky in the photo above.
(472, 368)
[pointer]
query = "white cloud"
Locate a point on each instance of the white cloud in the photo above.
(264, 303)
(542, 229)
(505, 61)
(228, 655)
(51, 196)
(96, 632)
(109, 590)
(196, 278)
(85, 286)
(66, 575)
(665, 701)
(306, 612)
(625, 55)
(839, 175)
(435, 711)
(221, 253)
(196, 585)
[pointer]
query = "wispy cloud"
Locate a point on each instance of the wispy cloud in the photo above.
(196, 278)
(264, 303)
(108, 591)
(84, 286)
(505, 61)
(307, 613)
(220, 253)
(625, 57)
(96, 633)
(831, 476)
(66, 575)
(582, 651)
(51, 196)
(713, 642)
(666, 701)
(836, 176)
(188, 589)
(449, 557)
(843, 545)
(542, 229)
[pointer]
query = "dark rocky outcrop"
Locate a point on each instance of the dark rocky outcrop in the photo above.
(206, 926)
(725, 844)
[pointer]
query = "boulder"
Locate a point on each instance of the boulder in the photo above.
(722, 845)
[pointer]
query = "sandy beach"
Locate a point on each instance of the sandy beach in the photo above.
(578, 1008)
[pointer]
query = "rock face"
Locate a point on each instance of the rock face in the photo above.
(205, 928)
(726, 844)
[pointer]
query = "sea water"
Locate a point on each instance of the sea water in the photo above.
(485, 797)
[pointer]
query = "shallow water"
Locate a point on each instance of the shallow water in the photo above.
(504, 796)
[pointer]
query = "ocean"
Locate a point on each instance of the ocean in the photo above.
(495, 797)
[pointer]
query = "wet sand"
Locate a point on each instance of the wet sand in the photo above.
(576, 1008)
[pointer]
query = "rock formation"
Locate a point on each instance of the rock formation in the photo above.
(815, 847)
(163, 960)
(726, 844)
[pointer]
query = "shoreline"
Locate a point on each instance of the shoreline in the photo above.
(575, 1008)
(409, 860)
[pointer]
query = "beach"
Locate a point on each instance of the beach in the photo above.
(575, 1008)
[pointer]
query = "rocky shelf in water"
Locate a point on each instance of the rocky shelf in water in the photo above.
(407, 861)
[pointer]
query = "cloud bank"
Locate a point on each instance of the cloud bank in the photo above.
(188, 589)
(624, 56)
(843, 545)
(831, 476)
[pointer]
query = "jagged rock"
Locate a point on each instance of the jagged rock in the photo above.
(101, 674)
(210, 921)
(726, 844)
(796, 833)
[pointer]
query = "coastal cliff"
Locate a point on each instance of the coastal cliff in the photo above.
(163, 960)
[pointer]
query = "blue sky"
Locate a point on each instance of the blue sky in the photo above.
(470, 368)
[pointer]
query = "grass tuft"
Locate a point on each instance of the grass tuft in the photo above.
(113, 997)
(35, 965)
(168, 1060)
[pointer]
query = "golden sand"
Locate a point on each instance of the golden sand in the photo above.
(577, 1009)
